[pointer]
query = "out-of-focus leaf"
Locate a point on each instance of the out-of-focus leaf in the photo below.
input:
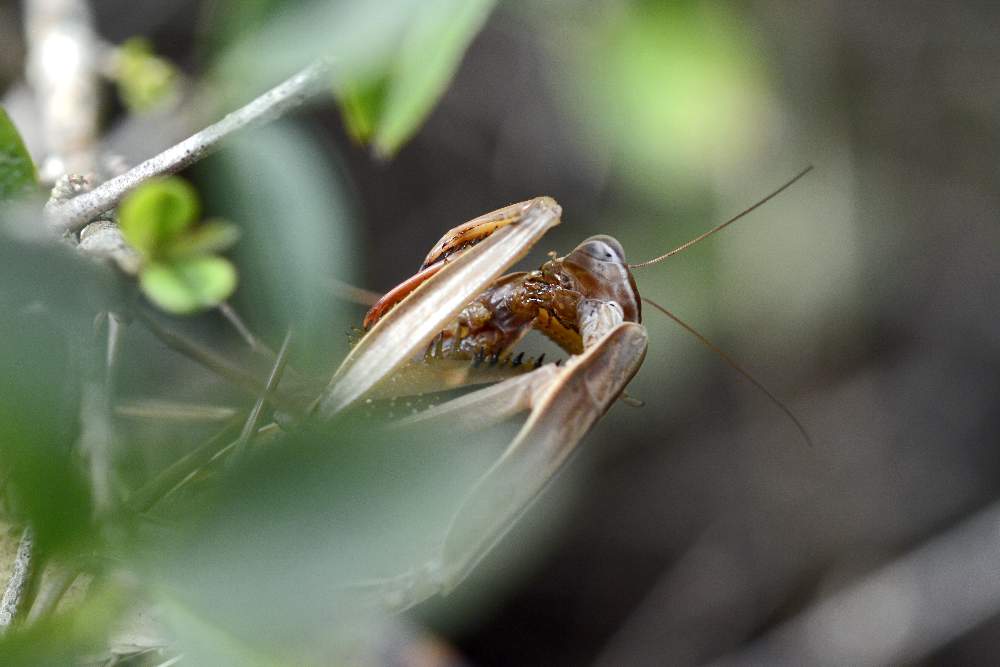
(188, 285)
(234, 20)
(412, 46)
(17, 171)
(49, 297)
(273, 553)
(667, 89)
(360, 37)
(297, 232)
(75, 637)
(145, 81)
(428, 57)
(156, 213)
(211, 236)
(360, 105)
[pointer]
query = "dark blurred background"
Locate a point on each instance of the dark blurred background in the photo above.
(700, 527)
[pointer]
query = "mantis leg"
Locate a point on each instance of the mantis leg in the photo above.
(484, 407)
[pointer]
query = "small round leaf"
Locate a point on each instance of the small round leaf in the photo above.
(156, 213)
(212, 236)
(188, 285)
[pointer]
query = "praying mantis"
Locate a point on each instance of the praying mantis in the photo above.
(460, 306)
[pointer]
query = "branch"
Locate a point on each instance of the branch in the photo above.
(291, 93)
(62, 70)
(900, 613)
(18, 583)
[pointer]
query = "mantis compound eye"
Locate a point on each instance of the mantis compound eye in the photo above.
(603, 248)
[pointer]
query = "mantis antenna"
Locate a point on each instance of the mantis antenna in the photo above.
(735, 366)
(736, 217)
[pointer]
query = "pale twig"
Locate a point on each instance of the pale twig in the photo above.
(62, 68)
(900, 613)
(250, 426)
(291, 93)
(17, 585)
(97, 434)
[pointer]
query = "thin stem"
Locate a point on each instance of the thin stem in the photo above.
(153, 491)
(200, 354)
(250, 426)
(243, 330)
(17, 585)
(291, 93)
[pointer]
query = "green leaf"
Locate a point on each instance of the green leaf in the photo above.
(360, 105)
(188, 285)
(156, 213)
(145, 81)
(388, 112)
(427, 61)
(212, 236)
(17, 171)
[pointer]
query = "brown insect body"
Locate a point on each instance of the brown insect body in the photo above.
(556, 299)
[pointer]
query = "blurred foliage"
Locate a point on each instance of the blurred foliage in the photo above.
(70, 638)
(388, 110)
(671, 90)
(293, 212)
(145, 81)
(254, 559)
(49, 298)
(179, 273)
(393, 59)
(17, 171)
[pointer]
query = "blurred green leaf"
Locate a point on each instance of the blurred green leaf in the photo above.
(211, 236)
(360, 105)
(188, 285)
(145, 81)
(667, 89)
(49, 297)
(390, 110)
(75, 637)
(156, 213)
(360, 37)
(17, 171)
(298, 230)
(271, 552)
